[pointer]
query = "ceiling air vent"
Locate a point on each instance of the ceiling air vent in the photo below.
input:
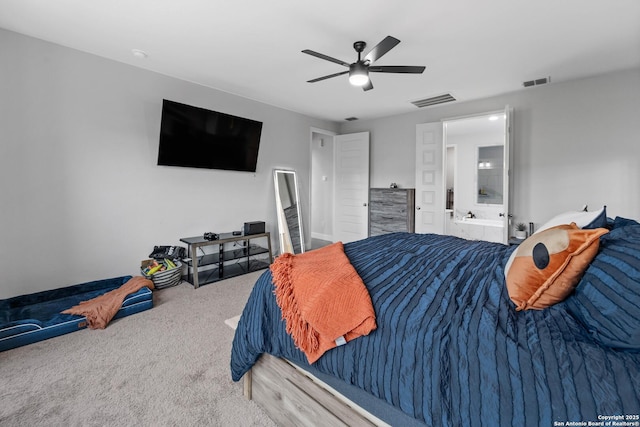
(537, 82)
(351, 119)
(434, 100)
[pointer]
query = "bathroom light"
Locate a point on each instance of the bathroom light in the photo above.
(358, 74)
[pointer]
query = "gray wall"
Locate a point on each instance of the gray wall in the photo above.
(83, 199)
(82, 196)
(575, 143)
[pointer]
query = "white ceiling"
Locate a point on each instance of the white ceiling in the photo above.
(471, 49)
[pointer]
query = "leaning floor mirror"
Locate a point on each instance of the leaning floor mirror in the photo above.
(290, 231)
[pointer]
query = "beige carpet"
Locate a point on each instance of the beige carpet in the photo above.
(168, 366)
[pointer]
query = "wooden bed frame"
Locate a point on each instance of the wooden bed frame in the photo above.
(294, 397)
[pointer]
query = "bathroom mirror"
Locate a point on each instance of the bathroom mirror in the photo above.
(490, 172)
(290, 232)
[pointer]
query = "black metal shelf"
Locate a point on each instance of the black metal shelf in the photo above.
(225, 263)
(229, 270)
(228, 255)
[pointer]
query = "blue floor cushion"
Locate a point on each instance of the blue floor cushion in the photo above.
(30, 318)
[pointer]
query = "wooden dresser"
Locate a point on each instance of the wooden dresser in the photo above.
(391, 210)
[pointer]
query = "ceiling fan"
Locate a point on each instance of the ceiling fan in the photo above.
(359, 70)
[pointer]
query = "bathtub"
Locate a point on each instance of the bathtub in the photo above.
(482, 221)
(478, 229)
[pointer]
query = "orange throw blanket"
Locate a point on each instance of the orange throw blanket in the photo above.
(100, 310)
(322, 298)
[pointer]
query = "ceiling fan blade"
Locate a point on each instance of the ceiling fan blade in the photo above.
(325, 57)
(368, 86)
(381, 48)
(397, 69)
(328, 77)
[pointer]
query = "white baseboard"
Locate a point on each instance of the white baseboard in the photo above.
(322, 236)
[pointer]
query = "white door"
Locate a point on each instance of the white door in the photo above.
(429, 179)
(351, 217)
(506, 174)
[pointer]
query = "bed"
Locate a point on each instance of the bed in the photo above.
(454, 345)
(27, 319)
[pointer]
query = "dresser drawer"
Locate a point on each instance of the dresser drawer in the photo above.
(388, 196)
(388, 218)
(391, 210)
(390, 227)
(388, 210)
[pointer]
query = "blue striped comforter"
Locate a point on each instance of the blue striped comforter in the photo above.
(450, 349)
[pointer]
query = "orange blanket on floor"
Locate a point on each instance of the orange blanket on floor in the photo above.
(322, 298)
(100, 310)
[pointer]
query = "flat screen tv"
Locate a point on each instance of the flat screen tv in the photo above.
(199, 138)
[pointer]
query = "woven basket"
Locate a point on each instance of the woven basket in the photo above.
(167, 278)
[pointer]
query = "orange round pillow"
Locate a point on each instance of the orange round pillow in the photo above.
(547, 266)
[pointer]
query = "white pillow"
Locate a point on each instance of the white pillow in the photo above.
(581, 218)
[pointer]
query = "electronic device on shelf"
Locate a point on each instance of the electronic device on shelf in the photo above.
(254, 227)
(237, 233)
(211, 236)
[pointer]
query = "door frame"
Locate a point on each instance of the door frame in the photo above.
(507, 161)
(331, 135)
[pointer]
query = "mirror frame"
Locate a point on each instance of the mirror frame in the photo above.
(284, 233)
(478, 169)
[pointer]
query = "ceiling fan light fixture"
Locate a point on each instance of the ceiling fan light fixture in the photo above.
(359, 70)
(139, 53)
(358, 74)
(358, 79)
